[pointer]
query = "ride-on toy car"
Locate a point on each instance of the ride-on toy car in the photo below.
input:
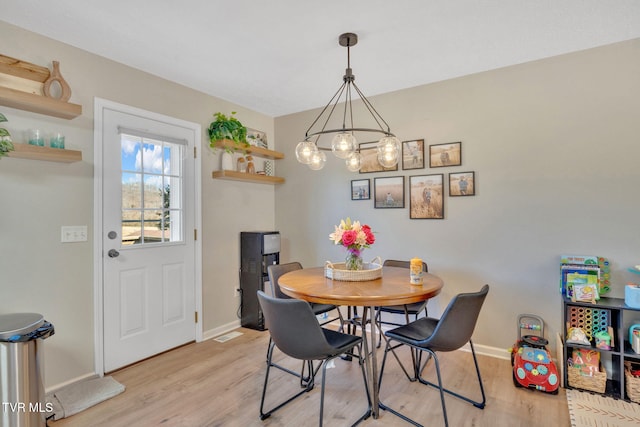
(532, 364)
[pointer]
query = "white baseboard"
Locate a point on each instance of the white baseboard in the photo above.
(212, 333)
(485, 350)
(71, 381)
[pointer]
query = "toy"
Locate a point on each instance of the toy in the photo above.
(603, 340)
(634, 338)
(588, 361)
(590, 320)
(532, 364)
(577, 335)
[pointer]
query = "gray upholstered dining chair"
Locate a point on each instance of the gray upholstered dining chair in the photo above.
(296, 332)
(407, 309)
(451, 332)
(413, 309)
(276, 270)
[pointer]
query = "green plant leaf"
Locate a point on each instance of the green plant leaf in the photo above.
(3, 118)
(5, 147)
(231, 128)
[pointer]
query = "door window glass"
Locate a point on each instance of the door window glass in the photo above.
(151, 190)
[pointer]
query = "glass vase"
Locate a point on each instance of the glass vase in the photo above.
(354, 260)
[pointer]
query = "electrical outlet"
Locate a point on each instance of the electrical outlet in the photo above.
(75, 233)
(236, 292)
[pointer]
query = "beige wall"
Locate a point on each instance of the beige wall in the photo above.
(555, 145)
(40, 274)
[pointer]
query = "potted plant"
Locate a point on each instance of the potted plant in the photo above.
(230, 128)
(5, 139)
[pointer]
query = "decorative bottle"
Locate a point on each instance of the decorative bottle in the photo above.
(242, 165)
(227, 161)
(251, 168)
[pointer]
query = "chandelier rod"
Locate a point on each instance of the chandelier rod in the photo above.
(347, 105)
(371, 108)
(337, 94)
(347, 41)
(348, 79)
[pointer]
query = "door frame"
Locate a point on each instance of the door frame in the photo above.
(98, 235)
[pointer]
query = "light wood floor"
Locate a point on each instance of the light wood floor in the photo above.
(219, 384)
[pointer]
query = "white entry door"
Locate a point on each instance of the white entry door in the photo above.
(148, 236)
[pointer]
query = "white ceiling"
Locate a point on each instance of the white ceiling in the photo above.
(282, 56)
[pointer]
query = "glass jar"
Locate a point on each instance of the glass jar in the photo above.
(354, 261)
(241, 165)
(251, 168)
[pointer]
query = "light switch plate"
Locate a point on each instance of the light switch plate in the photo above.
(73, 233)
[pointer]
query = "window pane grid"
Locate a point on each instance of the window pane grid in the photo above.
(151, 191)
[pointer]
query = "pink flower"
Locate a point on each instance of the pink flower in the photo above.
(349, 237)
(370, 237)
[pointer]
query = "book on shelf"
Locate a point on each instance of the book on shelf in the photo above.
(584, 271)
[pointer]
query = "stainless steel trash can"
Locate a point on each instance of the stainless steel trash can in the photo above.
(22, 370)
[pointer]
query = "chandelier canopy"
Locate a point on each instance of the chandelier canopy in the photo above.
(344, 144)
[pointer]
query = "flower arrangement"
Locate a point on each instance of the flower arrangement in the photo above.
(355, 238)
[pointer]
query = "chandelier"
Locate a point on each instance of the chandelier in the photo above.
(344, 144)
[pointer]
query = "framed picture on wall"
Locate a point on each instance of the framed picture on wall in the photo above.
(360, 189)
(369, 159)
(257, 138)
(389, 192)
(426, 196)
(413, 154)
(441, 155)
(462, 184)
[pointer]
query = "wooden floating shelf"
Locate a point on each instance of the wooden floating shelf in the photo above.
(34, 152)
(251, 149)
(247, 177)
(24, 70)
(30, 101)
(38, 104)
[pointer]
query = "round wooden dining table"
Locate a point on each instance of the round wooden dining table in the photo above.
(393, 288)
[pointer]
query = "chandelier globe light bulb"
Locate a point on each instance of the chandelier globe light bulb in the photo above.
(388, 144)
(354, 162)
(304, 151)
(343, 144)
(388, 159)
(318, 159)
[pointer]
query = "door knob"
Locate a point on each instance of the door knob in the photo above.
(113, 253)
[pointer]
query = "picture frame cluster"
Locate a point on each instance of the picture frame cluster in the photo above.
(426, 192)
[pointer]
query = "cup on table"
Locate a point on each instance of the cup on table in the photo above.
(36, 137)
(57, 140)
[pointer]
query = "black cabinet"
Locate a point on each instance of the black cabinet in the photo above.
(605, 313)
(258, 250)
